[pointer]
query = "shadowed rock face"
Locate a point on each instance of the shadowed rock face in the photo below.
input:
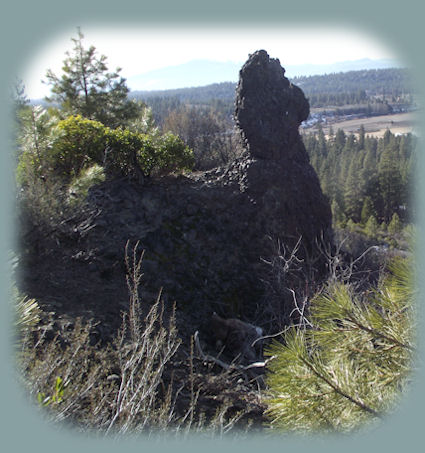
(277, 173)
(205, 235)
(269, 109)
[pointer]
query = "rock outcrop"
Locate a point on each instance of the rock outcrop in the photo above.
(204, 234)
(269, 109)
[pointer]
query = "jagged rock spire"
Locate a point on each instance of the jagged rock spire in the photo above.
(269, 109)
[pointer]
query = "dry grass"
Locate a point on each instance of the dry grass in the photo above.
(376, 126)
(124, 387)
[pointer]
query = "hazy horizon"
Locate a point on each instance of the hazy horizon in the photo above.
(147, 51)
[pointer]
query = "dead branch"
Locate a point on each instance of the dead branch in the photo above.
(226, 366)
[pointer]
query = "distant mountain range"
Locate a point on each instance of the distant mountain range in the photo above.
(198, 73)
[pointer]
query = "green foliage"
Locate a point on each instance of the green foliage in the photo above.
(395, 225)
(365, 175)
(144, 123)
(153, 154)
(38, 132)
(351, 226)
(80, 185)
(367, 210)
(81, 144)
(57, 395)
(371, 227)
(172, 154)
(66, 149)
(338, 216)
(353, 365)
(87, 88)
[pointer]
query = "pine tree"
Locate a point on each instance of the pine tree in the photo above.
(322, 148)
(353, 366)
(367, 210)
(371, 227)
(38, 132)
(353, 192)
(338, 216)
(361, 140)
(390, 182)
(340, 139)
(395, 225)
(88, 89)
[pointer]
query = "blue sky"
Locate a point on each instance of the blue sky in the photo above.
(139, 51)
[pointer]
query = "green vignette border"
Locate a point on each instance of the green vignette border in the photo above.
(23, 426)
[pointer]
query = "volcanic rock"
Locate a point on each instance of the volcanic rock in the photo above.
(269, 109)
(207, 236)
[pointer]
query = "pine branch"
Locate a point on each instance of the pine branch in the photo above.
(380, 335)
(339, 390)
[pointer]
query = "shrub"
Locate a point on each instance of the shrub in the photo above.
(76, 144)
(125, 386)
(172, 155)
(111, 389)
(81, 144)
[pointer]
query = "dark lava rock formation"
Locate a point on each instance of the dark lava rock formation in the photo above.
(205, 235)
(269, 110)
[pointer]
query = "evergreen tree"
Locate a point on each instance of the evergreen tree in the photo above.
(390, 183)
(395, 225)
(368, 210)
(353, 366)
(340, 139)
(353, 192)
(371, 227)
(361, 141)
(37, 135)
(322, 148)
(88, 89)
(381, 171)
(338, 215)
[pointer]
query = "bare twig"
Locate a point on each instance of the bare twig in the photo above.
(226, 366)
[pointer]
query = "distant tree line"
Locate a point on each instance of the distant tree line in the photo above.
(356, 87)
(224, 91)
(366, 179)
(372, 91)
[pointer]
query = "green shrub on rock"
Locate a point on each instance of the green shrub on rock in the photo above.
(79, 143)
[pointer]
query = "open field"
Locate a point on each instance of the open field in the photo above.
(399, 123)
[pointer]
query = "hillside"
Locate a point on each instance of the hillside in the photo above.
(393, 82)
(367, 92)
(160, 263)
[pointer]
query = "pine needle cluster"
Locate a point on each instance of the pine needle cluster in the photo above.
(353, 365)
